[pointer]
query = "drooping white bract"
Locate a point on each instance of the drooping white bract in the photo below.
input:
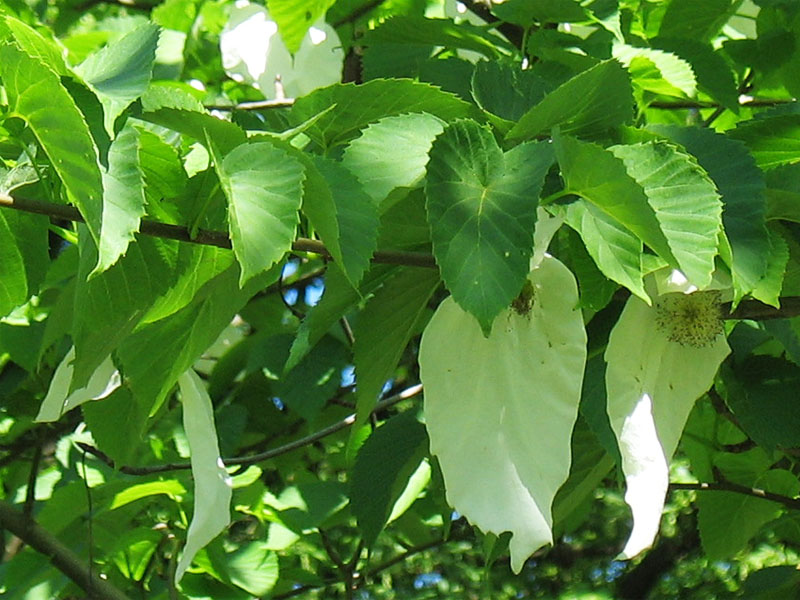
(660, 359)
(500, 410)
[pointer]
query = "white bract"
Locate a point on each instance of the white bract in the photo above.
(212, 484)
(253, 51)
(660, 359)
(500, 410)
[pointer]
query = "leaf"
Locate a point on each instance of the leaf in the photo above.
(589, 104)
(155, 356)
(506, 90)
(657, 71)
(695, 20)
(60, 399)
(741, 185)
(349, 224)
(482, 210)
(110, 305)
(383, 330)
(406, 31)
(358, 106)
(117, 424)
(294, 17)
(525, 13)
(601, 178)
(34, 44)
(212, 484)
(614, 249)
(652, 383)
(36, 95)
(717, 511)
(685, 201)
(120, 72)
(23, 257)
(123, 198)
(392, 153)
(768, 289)
(263, 185)
(773, 141)
(253, 567)
(492, 403)
(382, 469)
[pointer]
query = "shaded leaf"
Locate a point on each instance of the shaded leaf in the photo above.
(294, 17)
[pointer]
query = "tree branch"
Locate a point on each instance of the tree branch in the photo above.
(244, 461)
(726, 486)
(62, 557)
(205, 237)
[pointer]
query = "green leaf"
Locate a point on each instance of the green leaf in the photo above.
(349, 223)
(358, 106)
(384, 328)
(23, 257)
(773, 141)
(696, 20)
(614, 249)
(589, 104)
(36, 95)
(772, 582)
(34, 44)
(264, 187)
(110, 305)
(294, 17)
(482, 210)
(155, 356)
(382, 469)
(685, 201)
(505, 90)
(392, 153)
(253, 567)
(718, 511)
(525, 13)
(123, 198)
(601, 178)
(768, 289)
(408, 31)
(515, 392)
(760, 395)
(212, 484)
(741, 185)
(117, 423)
(657, 71)
(120, 72)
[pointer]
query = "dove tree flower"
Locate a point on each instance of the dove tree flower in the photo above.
(660, 359)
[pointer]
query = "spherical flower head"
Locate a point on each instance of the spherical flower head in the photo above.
(693, 319)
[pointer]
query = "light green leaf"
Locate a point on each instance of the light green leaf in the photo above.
(33, 43)
(601, 178)
(294, 17)
(741, 185)
(169, 487)
(614, 249)
(358, 106)
(392, 153)
(727, 520)
(696, 20)
(589, 104)
(660, 360)
(657, 71)
(768, 289)
(123, 198)
(60, 400)
(120, 72)
(383, 330)
(263, 185)
(382, 470)
(506, 90)
(212, 484)
(515, 393)
(349, 223)
(685, 201)
(482, 210)
(253, 567)
(36, 95)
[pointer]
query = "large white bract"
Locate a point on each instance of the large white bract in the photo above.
(660, 359)
(500, 410)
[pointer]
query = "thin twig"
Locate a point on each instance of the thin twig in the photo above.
(62, 557)
(726, 486)
(262, 456)
(205, 237)
(33, 475)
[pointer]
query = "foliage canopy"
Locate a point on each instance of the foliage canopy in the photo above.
(377, 299)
